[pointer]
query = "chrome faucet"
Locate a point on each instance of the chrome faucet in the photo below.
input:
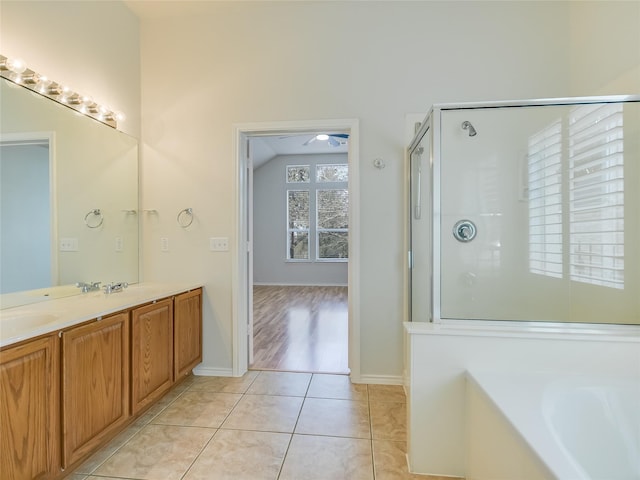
(114, 287)
(88, 287)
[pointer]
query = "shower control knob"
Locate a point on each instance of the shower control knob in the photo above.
(464, 231)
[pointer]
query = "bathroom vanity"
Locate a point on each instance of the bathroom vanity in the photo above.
(75, 371)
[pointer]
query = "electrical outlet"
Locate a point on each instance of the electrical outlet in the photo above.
(68, 244)
(219, 244)
(164, 244)
(119, 244)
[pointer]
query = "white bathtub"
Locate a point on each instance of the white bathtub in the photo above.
(540, 426)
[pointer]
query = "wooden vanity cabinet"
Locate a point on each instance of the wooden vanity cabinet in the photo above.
(187, 332)
(151, 353)
(84, 384)
(95, 384)
(29, 395)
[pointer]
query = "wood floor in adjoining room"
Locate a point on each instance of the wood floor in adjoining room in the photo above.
(300, 329)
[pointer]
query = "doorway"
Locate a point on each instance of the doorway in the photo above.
(27, 233)
(243, 262)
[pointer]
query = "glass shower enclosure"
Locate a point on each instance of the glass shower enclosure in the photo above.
(527, 211)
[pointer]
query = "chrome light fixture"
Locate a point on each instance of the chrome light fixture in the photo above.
(16, 71)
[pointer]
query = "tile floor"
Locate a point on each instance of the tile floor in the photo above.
(265, 425)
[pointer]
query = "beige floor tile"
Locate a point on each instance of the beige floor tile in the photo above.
(327, 458)
(337, 418)
(77, 477)
(224, 384)
(389, 421)
(98, 478)
(336, 386)
(98, 458)
(280, 383)
(390, 462)
(199, 409)
(241, 455)
(157, 451)
(265, 413)
(386, 393)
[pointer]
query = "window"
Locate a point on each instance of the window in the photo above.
(332, 173)
(298, 224)
(596, 189)
(297, 173)
(318, 213)
(332, 222)
(594, 206)
(545, 201)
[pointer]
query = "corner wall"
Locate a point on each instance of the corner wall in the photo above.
(94, 47)
(245, 62)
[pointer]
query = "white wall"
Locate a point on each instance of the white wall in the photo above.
(605, 47)
(270, 266)
(242, 62)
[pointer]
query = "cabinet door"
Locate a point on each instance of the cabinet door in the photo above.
(151, 353)
(95, 384)
(30, 418)
(187, 331)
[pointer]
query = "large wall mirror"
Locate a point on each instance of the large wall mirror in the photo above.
(69, 199)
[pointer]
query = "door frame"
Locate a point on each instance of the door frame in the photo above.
(243, 248)
(41, 138)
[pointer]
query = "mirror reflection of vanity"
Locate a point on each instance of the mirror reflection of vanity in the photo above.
(69, 206)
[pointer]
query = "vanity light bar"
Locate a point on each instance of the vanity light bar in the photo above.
(17, 72)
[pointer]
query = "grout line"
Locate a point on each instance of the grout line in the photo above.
(195, 459)
(291, 434)
(373, 462)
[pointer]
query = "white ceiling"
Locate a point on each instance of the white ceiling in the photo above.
(267, 147)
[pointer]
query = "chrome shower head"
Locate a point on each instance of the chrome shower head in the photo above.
(466, 125)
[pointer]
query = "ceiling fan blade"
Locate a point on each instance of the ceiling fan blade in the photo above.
(333, 142)
(339, 135)
(311, 140)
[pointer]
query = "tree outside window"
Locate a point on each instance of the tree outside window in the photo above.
(327, 221)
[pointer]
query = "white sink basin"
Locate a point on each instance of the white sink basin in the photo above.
(24, 321)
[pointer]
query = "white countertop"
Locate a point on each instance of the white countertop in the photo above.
(29, 321)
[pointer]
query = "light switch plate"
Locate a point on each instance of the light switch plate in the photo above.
(68, 244)
(164, 244)
(219, 244)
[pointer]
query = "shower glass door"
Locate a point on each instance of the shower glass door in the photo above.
(420, 221)
(552, 195)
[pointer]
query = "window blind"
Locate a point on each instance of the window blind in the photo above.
(544, 163)
(596, 190)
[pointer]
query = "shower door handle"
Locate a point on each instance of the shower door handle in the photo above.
(464, 231)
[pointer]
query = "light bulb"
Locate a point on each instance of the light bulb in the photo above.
(16, 65)
(322, 137)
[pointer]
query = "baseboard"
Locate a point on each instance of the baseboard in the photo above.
(212, 372)
(381, 379)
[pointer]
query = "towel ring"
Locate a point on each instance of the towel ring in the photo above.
(185, 217)
(94, 218)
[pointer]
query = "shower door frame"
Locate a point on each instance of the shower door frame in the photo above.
(434, 129)
(425, 130)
